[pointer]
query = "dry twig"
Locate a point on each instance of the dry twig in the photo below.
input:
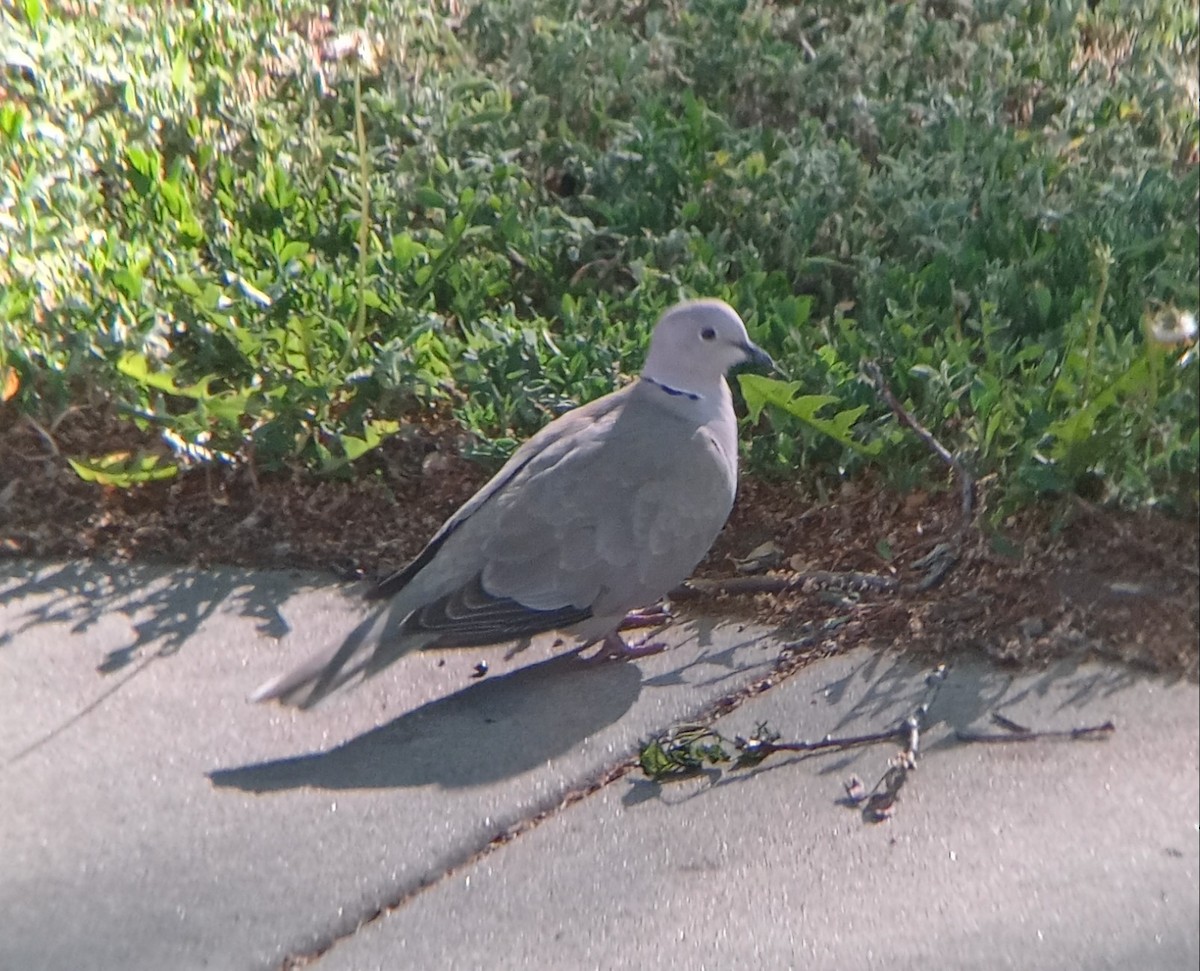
(45, 436)
(687, 750)
(965, 481)
(784, 583)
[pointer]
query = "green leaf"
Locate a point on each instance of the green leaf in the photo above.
(144, 165)
(1043, 300)
(141, 160)
(292, 251)
(228, 408)
(430, 198)
(354, 447)
(136, 366)
(760, 392)
(190, 229)
(654, 761)
(173, 198)
(12, 119)
(685, 751)
(129, 282)
(180, 71)
(405, 249)
(1078, 426)
(122, 469)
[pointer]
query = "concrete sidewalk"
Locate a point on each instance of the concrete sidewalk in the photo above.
(1040, 855)
(153, 819)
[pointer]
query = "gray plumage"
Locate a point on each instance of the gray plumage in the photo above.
(604, 510)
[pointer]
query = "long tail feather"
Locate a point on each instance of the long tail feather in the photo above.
(328, 670)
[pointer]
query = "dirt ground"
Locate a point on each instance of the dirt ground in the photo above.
(1076, 580)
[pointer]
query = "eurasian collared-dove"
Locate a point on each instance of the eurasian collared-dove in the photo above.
(604, 510)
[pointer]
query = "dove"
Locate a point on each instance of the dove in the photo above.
(603, 511)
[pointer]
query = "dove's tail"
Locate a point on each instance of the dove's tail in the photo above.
(330, 669)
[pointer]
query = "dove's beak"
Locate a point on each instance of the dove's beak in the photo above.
(756, 356)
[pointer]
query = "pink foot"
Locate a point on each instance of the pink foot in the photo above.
(650, 617)
(614, 648)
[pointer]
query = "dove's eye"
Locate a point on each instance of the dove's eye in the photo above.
(708, 334)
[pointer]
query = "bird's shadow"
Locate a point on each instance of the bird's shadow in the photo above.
(489, 730)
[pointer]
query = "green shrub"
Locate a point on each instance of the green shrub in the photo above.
(257, 252)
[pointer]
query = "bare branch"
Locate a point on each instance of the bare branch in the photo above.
(691, 748)
(966, 483)
(764, 748)
(784, 583)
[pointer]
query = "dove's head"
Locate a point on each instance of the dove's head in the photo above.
(696, 342)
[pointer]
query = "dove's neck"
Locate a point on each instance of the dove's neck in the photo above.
(678, 383)
(698, 402)
(675, 392)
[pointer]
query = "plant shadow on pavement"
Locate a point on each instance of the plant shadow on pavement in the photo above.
(490, 730)
(165, 606)
(892, 688)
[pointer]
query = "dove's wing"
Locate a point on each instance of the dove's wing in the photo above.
(604, 518)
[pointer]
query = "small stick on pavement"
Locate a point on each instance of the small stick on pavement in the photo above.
(691, 749)
(966, 483)
(908, 729)
(756, 749)
(879, 804)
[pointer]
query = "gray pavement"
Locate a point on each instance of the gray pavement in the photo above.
(154, 819)
(1038, 855)
(150, 818)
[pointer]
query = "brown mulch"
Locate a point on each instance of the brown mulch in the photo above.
(1082, 581)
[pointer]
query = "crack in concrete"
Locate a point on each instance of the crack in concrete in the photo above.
(792, 658)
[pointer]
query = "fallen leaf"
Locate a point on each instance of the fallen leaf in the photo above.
(9, 383)
(760, 559)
